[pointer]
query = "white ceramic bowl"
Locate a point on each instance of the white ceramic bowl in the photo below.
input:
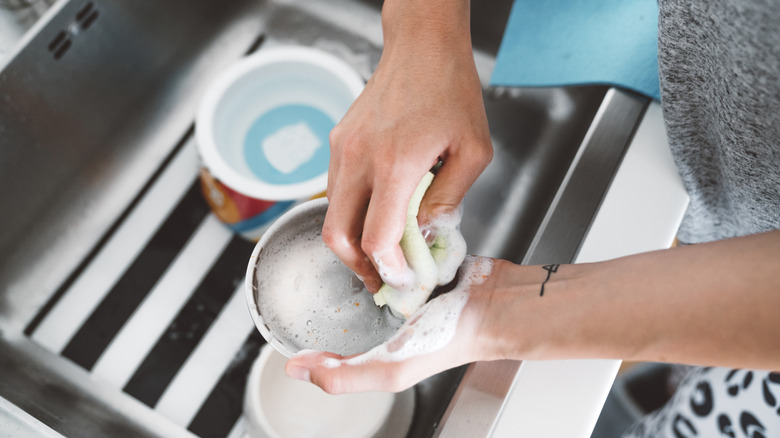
(276, 406)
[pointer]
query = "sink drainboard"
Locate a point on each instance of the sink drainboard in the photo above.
(158, 311)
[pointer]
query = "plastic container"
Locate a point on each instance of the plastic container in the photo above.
(262, 133)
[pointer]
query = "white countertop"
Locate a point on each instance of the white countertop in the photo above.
(641, 212)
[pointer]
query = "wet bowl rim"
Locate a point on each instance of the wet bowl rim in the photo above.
(305, 208)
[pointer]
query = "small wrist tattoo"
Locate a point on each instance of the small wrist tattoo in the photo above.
(550, 270)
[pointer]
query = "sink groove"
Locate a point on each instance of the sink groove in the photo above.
(93, 170)
(216, 301)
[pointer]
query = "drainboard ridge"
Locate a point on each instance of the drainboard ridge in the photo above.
(159, 311)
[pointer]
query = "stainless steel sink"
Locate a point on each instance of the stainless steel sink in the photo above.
(118, 288)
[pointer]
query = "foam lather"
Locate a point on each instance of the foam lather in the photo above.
(429, 266)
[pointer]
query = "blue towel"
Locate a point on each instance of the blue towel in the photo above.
(571, 42)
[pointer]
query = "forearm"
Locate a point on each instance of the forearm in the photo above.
(426, 25)
(709, 304)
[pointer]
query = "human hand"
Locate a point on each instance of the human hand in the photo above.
(443, 334)
(655, 306)
(423, 104)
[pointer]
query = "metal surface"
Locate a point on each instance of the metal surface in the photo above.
(315, 304)
(82, 134)
(477, 404)
(19, 424)
(57, 394)
(16, 18)
(577, 201)
(97, 107)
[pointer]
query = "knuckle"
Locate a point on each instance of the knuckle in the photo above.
(436, 209)
(480, 152)
(371, 245)
(328, 236)
(335, 135)
(334, 238)
(487, 153)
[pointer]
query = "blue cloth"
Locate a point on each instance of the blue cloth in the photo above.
(573, 42)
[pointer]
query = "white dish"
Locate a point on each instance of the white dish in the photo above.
(276, 406)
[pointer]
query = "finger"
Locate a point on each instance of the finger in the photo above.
(453, 179)
(343, 227)
(339, 374)
(329, 372)
(336, 375)
(384, 224)
(334, 164)
(408, 357)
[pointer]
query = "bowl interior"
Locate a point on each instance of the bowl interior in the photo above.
(301, 295)
(273, 118)
(285, 407)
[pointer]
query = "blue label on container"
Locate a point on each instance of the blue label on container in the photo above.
(289, 144)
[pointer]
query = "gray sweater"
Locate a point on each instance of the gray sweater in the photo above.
(719, 64)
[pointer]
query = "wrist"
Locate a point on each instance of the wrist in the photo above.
(540, 313)
(502, 305)
(427, 27)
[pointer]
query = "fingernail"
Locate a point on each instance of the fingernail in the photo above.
(299, 373)
(427, 234)
(389, 262)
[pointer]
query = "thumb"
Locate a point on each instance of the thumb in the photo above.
(330, 372)
(452, 181)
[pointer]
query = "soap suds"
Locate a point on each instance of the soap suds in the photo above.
(410, 288)
(308, 299)
(432, 327)
(405, 279)
(448, 245)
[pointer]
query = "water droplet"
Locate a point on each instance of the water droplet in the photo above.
(308, 322)
(298, 282)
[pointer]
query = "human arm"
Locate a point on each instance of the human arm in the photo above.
(709, 304)
(423, 104)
